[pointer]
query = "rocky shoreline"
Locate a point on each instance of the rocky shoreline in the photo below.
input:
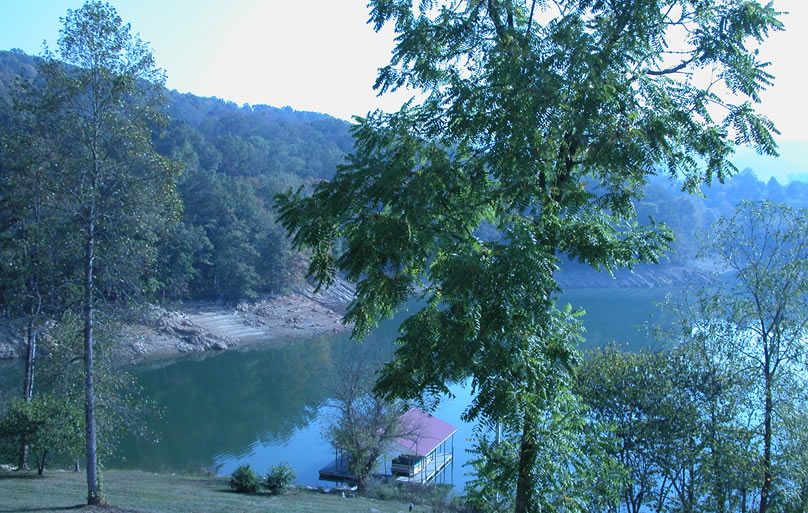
(642, 276)
(210, 326)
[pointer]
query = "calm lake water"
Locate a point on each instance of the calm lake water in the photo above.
(263, 405)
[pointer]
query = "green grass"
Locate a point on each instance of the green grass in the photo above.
(162, 493)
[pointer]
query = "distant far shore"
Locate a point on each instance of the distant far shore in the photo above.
(215, 326)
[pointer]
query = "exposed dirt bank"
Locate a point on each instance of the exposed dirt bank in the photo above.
(642, 276)
(203, 326)
(210, 326)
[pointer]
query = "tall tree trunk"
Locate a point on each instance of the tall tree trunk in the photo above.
(765, 489)
(93, 490)
(718, 472)
(22, 464)
(30, 357)
(528, 449)
(28, 385)
(40, 464)
(32, 331)
(743, 500)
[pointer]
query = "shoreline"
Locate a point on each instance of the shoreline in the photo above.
(197, 326)
(207, 326)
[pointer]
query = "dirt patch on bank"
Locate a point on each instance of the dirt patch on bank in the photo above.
(212, 326)
(209, 326)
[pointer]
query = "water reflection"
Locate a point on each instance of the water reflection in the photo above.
(258, 405)
(228, 403)
(262, 404)
(619, 314)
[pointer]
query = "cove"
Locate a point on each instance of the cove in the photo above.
(265, 404)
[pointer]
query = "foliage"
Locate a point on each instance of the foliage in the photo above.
(285, 148)
(237, 250)
(33, 280)
(87, 121)
(121, 408)
(228, 244)
(363, 424)
(761, 310)
(245, 480)
(791, 461)
(49, 426)
(714, 421)
(546, 126)
(680, 418)
(576, 470)
(279, 477)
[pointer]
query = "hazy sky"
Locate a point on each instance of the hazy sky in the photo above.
(320, 55)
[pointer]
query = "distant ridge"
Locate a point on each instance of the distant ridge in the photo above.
(236, 158)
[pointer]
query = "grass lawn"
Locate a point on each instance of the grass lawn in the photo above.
(132, 491)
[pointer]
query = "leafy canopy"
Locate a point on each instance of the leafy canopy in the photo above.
(763, 307)
(88, 119)
(543, 120)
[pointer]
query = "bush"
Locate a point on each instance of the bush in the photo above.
(278, 478)
(245, 480)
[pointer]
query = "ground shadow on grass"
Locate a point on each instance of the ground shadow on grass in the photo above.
(292, 490)
(77, 507)
(21, 475)
(82, 508)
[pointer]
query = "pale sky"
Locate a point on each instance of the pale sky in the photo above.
(320, 55)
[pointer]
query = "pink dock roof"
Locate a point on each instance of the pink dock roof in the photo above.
(422, 433)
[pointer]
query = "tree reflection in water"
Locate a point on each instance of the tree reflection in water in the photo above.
(228, 406)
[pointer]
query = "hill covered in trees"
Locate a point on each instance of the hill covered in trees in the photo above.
(236, 158)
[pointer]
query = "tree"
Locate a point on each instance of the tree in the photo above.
(32, 266)
(762, 306)
(680, 417)
(543, 120)
(364, 425)
(623, 390)
(576, 465)
(93, 107)
(26, 259)
(46, 424)
(793, 458)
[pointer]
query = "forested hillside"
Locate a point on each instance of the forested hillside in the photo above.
(688, 215)
(235, 158)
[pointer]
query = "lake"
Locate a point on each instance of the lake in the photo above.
(263, 405)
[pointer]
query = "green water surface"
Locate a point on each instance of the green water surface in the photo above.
(264, 404)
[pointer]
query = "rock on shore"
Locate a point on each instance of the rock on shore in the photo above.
(204, 326)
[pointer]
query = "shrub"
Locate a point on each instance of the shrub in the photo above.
(245, 480)
(278, 478)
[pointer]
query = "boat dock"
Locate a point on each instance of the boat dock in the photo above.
(424, 452)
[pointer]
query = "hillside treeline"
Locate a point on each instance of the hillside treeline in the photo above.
(236, 158)
(689, 215)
